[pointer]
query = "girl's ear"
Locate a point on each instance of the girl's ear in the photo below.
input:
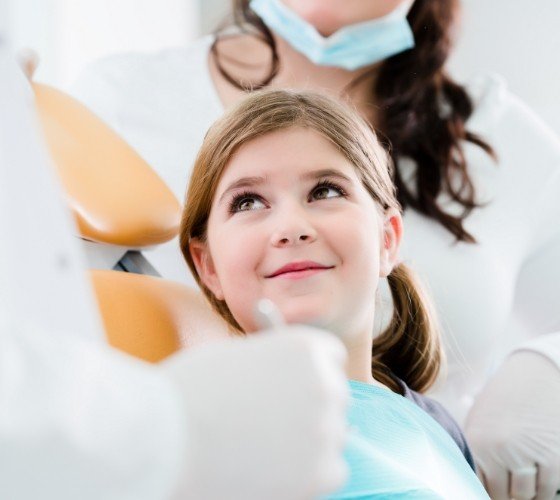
(204, 264)
(391, 241)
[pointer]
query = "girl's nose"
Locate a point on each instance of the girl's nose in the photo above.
(289, 240)
(293, 230)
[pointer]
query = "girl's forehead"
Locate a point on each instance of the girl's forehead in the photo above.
(294, 152)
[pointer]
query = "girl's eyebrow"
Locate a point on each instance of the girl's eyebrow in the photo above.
(243, 182)
(326, 172)
(247, 182)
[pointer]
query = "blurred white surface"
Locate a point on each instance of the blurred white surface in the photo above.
(41, 266)
(69, 34)
(518, 39)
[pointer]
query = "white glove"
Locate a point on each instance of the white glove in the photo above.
(513, 429)
(266, 416)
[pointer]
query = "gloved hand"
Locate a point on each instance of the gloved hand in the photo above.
(265, 416)
(513, 429)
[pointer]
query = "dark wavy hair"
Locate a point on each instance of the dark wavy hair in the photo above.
(419, 109)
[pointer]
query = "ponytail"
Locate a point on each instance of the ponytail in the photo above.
(409, 348)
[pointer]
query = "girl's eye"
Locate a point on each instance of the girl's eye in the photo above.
(245, 203)
(325, 190)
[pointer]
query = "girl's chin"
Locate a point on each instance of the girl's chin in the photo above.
(317, 319)
(302, 311)
(312, 313)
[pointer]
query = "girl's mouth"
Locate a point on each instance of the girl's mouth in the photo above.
(297, 270)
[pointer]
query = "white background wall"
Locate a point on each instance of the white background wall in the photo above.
(68, 34)
(520, 39)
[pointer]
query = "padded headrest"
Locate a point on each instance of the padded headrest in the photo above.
(151, 318)
(115, 195)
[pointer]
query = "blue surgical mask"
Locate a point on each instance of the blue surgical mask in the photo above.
(351, 47)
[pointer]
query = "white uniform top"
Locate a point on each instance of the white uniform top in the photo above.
(81, 420)
(491, 296)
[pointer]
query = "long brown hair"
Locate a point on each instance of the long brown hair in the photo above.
(418, 108)
(409, 348)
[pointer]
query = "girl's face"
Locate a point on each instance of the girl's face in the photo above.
(327, 16)
(292, 222)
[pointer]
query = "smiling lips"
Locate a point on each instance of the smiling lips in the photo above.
(296, 270)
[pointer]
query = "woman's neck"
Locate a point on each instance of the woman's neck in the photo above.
(296, 71)
(248, 59)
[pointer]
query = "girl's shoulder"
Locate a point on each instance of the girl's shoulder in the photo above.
(409, 406)
(442, 417)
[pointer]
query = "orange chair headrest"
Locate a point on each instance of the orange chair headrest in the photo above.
(115, 195)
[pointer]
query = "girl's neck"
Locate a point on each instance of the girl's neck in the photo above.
(358, 366)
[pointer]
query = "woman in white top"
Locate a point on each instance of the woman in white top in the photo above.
(478, 175)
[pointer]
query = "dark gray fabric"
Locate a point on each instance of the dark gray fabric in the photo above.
(441, 416)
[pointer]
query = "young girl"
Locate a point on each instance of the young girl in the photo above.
(291, 199)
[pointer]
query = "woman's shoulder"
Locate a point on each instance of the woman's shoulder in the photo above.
(129, 74)
(514, 130)
(132, 87)
(498, 110)
(141, 66)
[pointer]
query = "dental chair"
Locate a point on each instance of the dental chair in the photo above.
(117, 199)
(150, 317)
(122, 207)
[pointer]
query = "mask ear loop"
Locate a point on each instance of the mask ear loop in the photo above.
(404, 7)
(410, 4)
